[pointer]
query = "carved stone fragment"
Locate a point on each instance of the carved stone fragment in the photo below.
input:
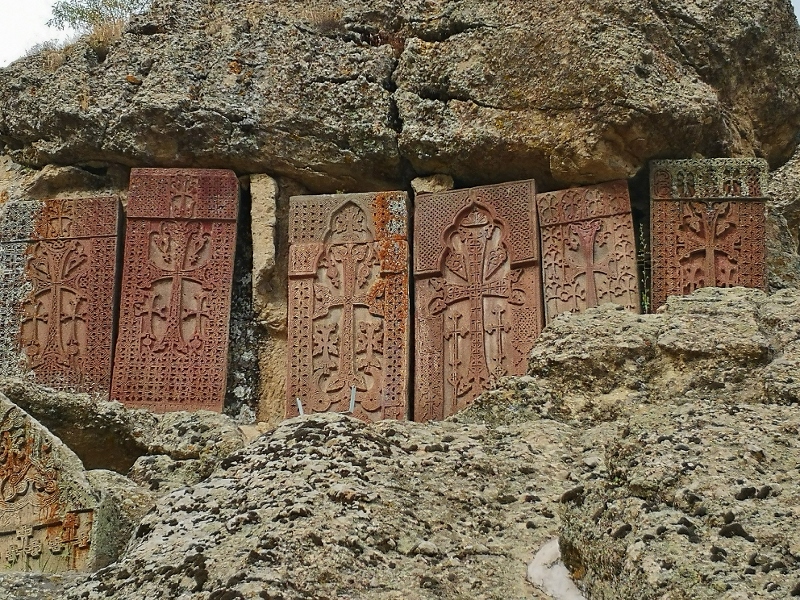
(180, 243)
(478, 292)
(59, 261)
(349, 304)
(46, 505)
(707, 225)
(588, 248)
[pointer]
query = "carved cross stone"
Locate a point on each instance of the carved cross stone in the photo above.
(707, 225)
(477, 286)
(64, 321)
(348, 309)
(588, 250)
(176, 289)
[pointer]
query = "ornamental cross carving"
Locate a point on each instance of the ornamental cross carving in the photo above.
(475, 256)
(348, 305)
(708, 225)
(54, 317)
(707, 245)
(588, 248)
(175, 310)
(348, 350)
(175, 303)
(478, 285)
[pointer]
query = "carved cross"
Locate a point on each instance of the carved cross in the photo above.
(180, 253)
(586, 233)
(55, 269)
(499, 328)
(475, 264)
(349, 265)
(455, 333)
(704, 229)
(370, 344)
(76, 313)
(146, 310)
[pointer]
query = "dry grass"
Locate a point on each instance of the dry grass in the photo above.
(103, 35)
(324, 19)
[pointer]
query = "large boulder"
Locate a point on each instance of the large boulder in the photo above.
(367, 95)
(327, 506)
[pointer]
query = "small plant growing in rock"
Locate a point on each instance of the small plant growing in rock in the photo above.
(89, 15)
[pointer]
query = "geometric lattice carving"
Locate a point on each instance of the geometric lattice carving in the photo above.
(478, 292)
(45, 517)
(707, 225)
(63, 321)
(180, 243)
(349, 304)
(588, 248)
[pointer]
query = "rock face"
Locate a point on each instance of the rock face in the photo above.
(326, 505)
(661, 448)
(697, 503)
(365, 96)
(106, 435)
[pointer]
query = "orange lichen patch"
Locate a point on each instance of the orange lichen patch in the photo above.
(235, 67)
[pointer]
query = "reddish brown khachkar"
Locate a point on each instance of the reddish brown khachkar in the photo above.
(588, 248)
(707, 225)
(65, 320)
(349, 305)
(478, 292)
(172, 346)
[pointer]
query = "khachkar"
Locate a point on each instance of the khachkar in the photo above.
(57, 264)
(47, 506)
(707, 225)
(588, 248)
(175, 304)
(349, 305)
(478, 292)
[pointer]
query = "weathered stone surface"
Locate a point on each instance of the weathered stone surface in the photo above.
(697, 502)
(432, 184)
(588, 248)
(478, 292)
(106, 435)
(783, 225)
(176, 290)
(123, 504)
(349, 305)
(270, 226)
(56, 303)
(707, 225)
(326, 505)
(344, 97)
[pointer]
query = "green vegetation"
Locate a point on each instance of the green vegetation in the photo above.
(87, 15)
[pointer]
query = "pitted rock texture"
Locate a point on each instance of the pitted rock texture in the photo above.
(368, 95)
(783, 225)
(735, 345)
(699, 502)
(328, 507)
(106, 435)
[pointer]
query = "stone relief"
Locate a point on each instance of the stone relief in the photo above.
(63, 254)
(41, 528)
(349, 305)
(176, 289)
(588, 248)
(478, 292)
(707, 225)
